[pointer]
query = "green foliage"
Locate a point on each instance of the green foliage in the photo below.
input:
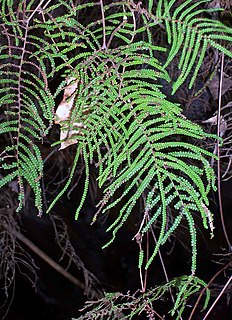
(191, 34)
(26, 104)
(130, 125)
(128, 306)
(140, 142)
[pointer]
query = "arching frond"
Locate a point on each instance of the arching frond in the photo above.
(190, 35)
(116, 112)
(26, 102)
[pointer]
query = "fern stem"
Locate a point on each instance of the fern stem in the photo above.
(218, 154)
(218, 297)
(207, 286)
(36, 9)
(103, 26)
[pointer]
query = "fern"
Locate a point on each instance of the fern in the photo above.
(189, 32)
(26, 103)
(130, 125)
(119, 118)
(128, 306)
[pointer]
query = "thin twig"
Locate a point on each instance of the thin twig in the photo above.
(218, 154)
(147, 255)
(206, 287)
(218, 297)
(49, 261)
(34, 11)
(164, 268)
(103, 26)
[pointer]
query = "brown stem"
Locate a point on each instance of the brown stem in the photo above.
(218, 154)
(49, 261)
(103, 25)
(218, 297)
(210, 282)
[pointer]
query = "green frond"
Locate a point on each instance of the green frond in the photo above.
(141, 257)
(69, 180)
(132, 127)
(86, 186)
(190, 34)
(141, 144)
(26, 104)
(132, 305)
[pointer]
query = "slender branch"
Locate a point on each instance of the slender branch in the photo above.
(49, 261)
(103, 26)
(205, 288)
(164, 268)
(218, 297)
(35, 10)
(218, 154)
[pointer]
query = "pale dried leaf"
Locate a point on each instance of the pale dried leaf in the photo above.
(63, 113)
(63, 110)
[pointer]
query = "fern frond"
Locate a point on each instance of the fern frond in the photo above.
(130, 125)
(133, 305)
(26, 104)
(117, 114)
(191, 34)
